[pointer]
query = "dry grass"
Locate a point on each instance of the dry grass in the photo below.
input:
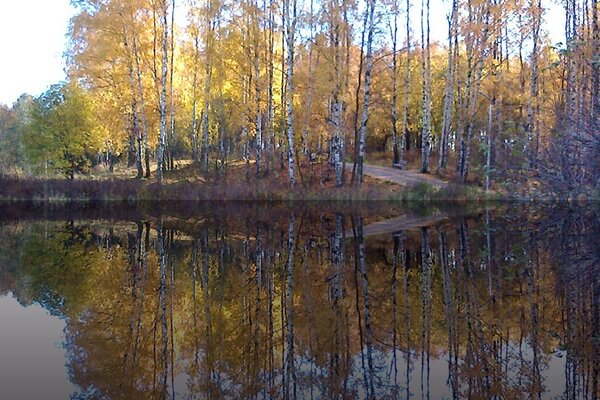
(187, 183)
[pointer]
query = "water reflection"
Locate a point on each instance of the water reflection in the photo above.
(319, 303)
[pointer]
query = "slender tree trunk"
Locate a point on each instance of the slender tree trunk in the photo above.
(207, 84)
(570, 94)
(144, 136)
(426, 79)
(449, 90)
(356, 126)
(336, 104)
(270, 124)
(194, 127)
(136, 134)
(531, 130)
(309, 91)
(348, 46)
(370, 27)
(257, 89)
(283, 98)
(488, 152)
(394, 105)
(290, 19)
(171, 146)
(404, 132)
(163, 93)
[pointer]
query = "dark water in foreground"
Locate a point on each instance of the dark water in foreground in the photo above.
(312, 301)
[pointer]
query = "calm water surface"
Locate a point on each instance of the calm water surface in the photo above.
(307, 301)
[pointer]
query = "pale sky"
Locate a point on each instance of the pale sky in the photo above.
(33, 39)
(32, 42)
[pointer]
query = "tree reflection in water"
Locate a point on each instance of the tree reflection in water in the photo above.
(305, 303)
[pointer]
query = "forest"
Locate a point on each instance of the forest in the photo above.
(309, 92)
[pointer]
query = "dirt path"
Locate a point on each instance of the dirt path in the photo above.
(400, 176)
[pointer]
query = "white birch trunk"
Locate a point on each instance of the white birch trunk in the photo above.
(406, 89)
(194, 128)
(290, 20)
(162, 133)
(370, 27)
(171, 161)
(257, 90)
(207, 84)
(449, 90)
(145, 154)
(426, 100)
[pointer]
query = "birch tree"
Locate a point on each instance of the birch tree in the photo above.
(404, 131)
(394, 105)
(426, 88)
(531, 124)
(449, 88)
(209, 42)
(195, 31)
(370, 29)
(335, 33)
(162, 134)
(290, 9)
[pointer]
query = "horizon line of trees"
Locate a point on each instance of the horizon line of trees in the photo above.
(282, 83)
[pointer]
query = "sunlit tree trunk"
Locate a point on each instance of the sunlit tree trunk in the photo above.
(449, 89)
(270, 123)
(336, 104)
(404, 131)
(136, 131)
(194, 125)
(257, 87)
(290, 20)
(531, 125)
(162, 134)
(310, 89)
(209, 40)
(140, 89)
(370, 28)
(394, 105)
(570, 134)
(359, 83)
(426, 88)
(171, 158)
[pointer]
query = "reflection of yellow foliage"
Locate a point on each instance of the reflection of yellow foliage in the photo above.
(227, 311)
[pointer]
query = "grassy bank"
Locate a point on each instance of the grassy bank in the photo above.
(134, 190)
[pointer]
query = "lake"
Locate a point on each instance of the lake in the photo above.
(300, 301)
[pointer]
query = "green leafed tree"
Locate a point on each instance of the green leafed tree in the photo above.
(62, 133)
